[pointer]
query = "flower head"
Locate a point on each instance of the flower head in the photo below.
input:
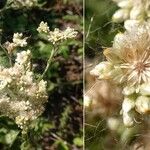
(18, 40)
(130, 57)
(43, 27)
(57, 35)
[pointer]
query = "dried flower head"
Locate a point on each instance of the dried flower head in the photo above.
(129, 57)
(128, 65)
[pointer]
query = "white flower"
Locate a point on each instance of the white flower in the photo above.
(127, 119)
(69, 33)
(87, 101)
(125, 3)
(128, 90)
(118, 41)
(23, 3)
(18, 40)
(43, 27)
(113, 123)
(131, 24)
(137, 13)
(132, 57)
(128, 104)
(132, 10)
(120, 15)
(145, 89)
(143, 104)
(101, 69)
(23, 57)
(57, 35)
(42, 86)
(21, 96)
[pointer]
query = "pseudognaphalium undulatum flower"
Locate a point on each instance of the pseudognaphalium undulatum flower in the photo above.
(22, 96)
(128, 65)
(17, 41)
(57, 35)
(128, 61)
(132, 10)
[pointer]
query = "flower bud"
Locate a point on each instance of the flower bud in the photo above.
(113, 123)
(120, 15)
(143, 104)
(127, 104)
(127, 119)
(118, 41)
(145, 89)
(102, 70)
(137, 13)
(128, 90)
(125, 4)
(131, 24)
(87, 101)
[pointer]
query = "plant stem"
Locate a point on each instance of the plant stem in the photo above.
(48, 62)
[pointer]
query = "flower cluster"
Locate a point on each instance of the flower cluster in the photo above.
(22, 96)
(18, 41)
(56, 35)
(23, 3)
(128, 65)
(132, 10)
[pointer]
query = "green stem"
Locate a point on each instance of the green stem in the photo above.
(48, 62)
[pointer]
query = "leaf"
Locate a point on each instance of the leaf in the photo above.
(62, 146)
(11, 136)
(78, 141)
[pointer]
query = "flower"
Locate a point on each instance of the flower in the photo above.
(23, 57)
(128, 90)
(57, 35)
(145, 89)
(87, 101)
(43, 27)
(127, 105)
(132, 10)
(23, 3)
(22, 96)
(128, 119)
(113, 123)
(102, 69)
(131, 58)
(18, 40)
(143, 104)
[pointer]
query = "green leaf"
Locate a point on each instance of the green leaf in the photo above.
(78, 141)
(11, 136)
(62, 146)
